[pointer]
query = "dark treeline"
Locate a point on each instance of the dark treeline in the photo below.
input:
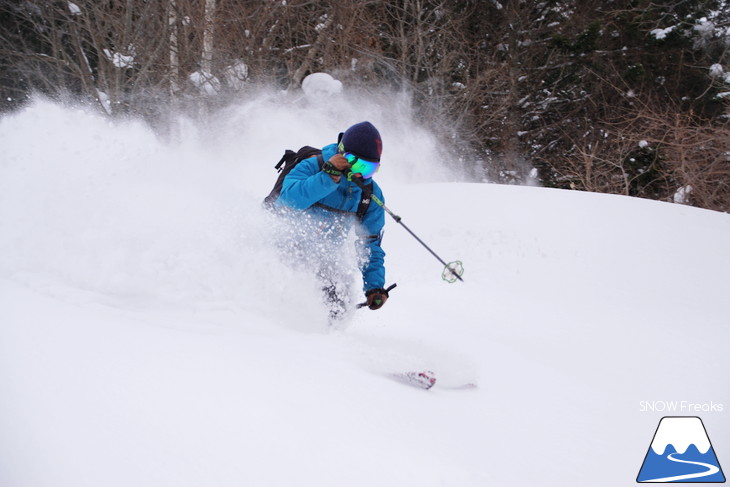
(625, 96)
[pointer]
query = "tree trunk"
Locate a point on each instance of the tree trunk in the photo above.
(208, 35)
(173, 48)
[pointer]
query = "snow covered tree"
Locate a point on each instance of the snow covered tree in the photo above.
(568, 93)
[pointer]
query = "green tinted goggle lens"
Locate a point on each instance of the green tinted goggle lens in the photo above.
(361, 166)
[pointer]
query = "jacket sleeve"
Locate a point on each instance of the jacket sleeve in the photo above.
(373, 268)
(305, 185)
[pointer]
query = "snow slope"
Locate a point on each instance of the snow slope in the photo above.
(150, 336)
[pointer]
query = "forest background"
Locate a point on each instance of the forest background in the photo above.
(618, 96)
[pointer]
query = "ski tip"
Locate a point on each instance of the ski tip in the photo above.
(422, 380)
(426, 379)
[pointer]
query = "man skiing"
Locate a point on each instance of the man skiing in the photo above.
(325, 198)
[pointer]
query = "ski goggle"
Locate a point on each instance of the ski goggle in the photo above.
(361, 166)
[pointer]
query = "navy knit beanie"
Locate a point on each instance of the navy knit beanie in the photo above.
(363, 140)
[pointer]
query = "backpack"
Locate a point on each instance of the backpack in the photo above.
(290, 159)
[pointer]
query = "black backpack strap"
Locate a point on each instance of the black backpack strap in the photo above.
(288, 156)
(362, 207)
(365, 197)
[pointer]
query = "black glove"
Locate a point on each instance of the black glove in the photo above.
(330, 169)
(376, 298)
(336, 166)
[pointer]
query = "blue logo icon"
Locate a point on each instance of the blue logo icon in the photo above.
(681, 452)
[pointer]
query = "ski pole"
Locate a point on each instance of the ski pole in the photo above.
(455, 269)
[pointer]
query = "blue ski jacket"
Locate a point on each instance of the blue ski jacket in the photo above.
(333, 207)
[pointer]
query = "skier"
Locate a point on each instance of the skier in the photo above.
(325, 202)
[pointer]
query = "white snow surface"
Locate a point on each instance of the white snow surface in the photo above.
(206, 83)
(74, 9)
(150, 336)
(319, 87)
(661, 34)
(119, 60)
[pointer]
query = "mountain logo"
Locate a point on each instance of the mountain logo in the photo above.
(681, 452)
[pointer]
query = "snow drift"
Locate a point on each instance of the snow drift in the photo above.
(150, 336)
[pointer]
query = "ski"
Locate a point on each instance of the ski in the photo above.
(426, 379)
(423, 380)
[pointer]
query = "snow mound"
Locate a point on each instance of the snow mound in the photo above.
(150, 335)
